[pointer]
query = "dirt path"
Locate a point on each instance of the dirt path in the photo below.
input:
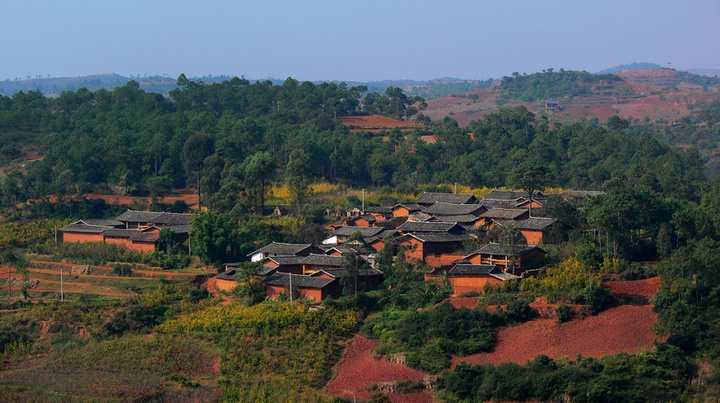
(211, 286)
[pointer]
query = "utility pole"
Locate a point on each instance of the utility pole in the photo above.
(62, 293)
(291, 293)
(363, 201)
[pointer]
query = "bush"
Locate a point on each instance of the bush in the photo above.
(563, 313)
(123, 270)
(597, 299)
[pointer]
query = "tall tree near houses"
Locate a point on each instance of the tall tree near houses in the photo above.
(259, 169)
(197, 147)
(298, 177)
(530, 176)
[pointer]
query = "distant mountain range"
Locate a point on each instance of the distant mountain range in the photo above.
(54, 86)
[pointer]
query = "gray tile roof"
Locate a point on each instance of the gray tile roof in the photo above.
(457, 198)
(463, 268)
(108, 222)
(286, 260)
(283, 280)
(439, 236)
(460, 219)
(497, 203)
(280, 248)
(378, 210)
(504, 213)
(144, 237)
(121, 233)
(228, 275)
(155, 217)
(323, 260)
(411, 226)
(364, 231)
(532, 223)
(420, 216)
(439, 209)
(505, 250)
(410, 206)
(337, 273)
(84, 228)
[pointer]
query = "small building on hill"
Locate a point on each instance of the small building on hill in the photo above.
(513, 259)
(283, 249)
(465, 277)
(312, 288)
(429, 198)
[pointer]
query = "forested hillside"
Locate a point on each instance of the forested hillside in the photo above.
(232, 141)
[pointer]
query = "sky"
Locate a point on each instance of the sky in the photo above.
(351, 40)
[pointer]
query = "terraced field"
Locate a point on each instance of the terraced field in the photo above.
(44, 277)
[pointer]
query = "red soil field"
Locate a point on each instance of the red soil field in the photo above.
(358, 371)
(188, 197)
(622, 328)
(375, 123)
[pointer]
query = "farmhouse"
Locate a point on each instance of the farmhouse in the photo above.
(429, 198)
(137, 230)
(466, 277)
(312, 288)
(283, 249)
(514, 259)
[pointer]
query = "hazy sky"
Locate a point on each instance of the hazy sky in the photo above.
(351, 40)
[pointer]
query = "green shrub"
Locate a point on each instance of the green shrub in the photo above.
(563, 313)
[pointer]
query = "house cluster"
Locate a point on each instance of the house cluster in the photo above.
(430, 232)
(137, 230)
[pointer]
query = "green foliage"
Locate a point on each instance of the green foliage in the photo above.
(563, 313)
(431, 336)
(552, 85)
(124, 270)
(662, 375)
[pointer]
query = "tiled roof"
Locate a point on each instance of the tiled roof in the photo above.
(410, 206)
(323, 260)
(506, 213)
(411, 226)
(364, 231)
(107, 222)
(121, 233)
(439, 236)
(378, 210)
(84, 228)
(139, 216)
(498, 203)
(506, 250)
(511, 194)
(460, 219)
(228, 275)
(420, 216)
(155, 217)
(279, 248)
(457, 198)
(337, 273)
(286, 260)
(532, 223)
(283, 280)
(441, 208)
(144, 237)
(463, 268)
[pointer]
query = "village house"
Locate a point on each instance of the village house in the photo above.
(136, 230)
(405, 209)
(368, 279)
(536, 229)
(344, 233)
(429, 198)
(513, 259)
(487, 217)
(283, 249)
(467, 277)
(311, 288)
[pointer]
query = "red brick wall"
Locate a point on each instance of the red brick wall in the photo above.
(81, 237)
(471, 283)
(533, 236)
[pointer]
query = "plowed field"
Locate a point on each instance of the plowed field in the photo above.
(622, 328)
(358, 371)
